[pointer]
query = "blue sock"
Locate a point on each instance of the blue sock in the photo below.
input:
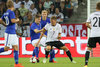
(16, 56)
(1, 50)
(36, 51)
(52, 54)
(33, 52)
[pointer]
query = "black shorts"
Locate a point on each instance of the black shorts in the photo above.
(92, 42)
(57, 44)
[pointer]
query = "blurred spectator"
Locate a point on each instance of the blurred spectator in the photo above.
(40, 8)
(49, 14)
(75, 4)
(19, 28)
(69, 7)
(57, 3)
(17, 4)
(33, 10)
(47, 4)
(2, 9)
(52, 9)
(18, 15)
(28, 22)
(29, 19)
(59, 15)
(63, 9)
(81, 2)
(23, 11)
(28, 3)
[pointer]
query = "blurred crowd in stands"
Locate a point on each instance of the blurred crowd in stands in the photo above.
(27, 9)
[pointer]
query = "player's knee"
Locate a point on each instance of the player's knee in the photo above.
(89, 48)
(15, 47)
(48, 47)
(35, 45)
(6, 48)
(64, 48)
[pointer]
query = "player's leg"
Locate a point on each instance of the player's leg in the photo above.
(60, 45)
(37, 52)
(91, 44)
(6, 43)
(4, 49)
(15, 47)
(14, 42)
(16, 56)
(67, 52)
(52, 56)
(87, 54)
(33, 52)
(52, 53)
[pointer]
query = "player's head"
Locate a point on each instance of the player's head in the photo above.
(98, 6)
(44, 13)
(37, 18)
(10, 4)
(53, 20)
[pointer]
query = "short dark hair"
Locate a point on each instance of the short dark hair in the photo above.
(22, 3)
(37, 15)
(98, 6)
(10, 4)
(53, 18)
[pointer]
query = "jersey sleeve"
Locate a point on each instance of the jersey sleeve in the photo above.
(60, 28)
(49, 20)
(12, 15)
(2, 17)
(33, 27)
(46, 26)
(89, 19)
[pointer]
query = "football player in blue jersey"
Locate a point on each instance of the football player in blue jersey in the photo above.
(44, 21)
(35, 30)
(11, 38)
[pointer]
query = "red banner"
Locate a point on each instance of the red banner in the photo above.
(74, 30)
(77, 46)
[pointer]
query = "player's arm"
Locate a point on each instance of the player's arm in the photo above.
(37, 31)
(42, 33)
(59, 36)
(60, 31)
(2, 22)
(88, 25)
(15, 20)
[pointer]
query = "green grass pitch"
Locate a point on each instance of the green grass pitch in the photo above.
(62, 62)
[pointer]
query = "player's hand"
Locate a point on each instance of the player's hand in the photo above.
(59, 37)
(37, 44)
(44, 35)
(17, 19)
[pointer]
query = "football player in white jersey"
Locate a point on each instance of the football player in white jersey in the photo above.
(54, 31)
(93, 22)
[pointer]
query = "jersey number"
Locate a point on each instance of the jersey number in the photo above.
(53, 34)
(97, 20)
(7, 20)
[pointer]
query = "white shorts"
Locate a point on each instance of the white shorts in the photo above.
(11, 39)
(42, 42)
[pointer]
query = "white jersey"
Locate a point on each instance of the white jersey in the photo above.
(52, 32)
(94, 19)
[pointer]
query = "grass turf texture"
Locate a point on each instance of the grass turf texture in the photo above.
(62, 62)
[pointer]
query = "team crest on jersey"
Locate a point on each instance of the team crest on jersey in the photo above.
(53, 29)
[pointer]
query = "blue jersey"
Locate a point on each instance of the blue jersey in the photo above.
(44, 22)
(7, 16)
(32, 33)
